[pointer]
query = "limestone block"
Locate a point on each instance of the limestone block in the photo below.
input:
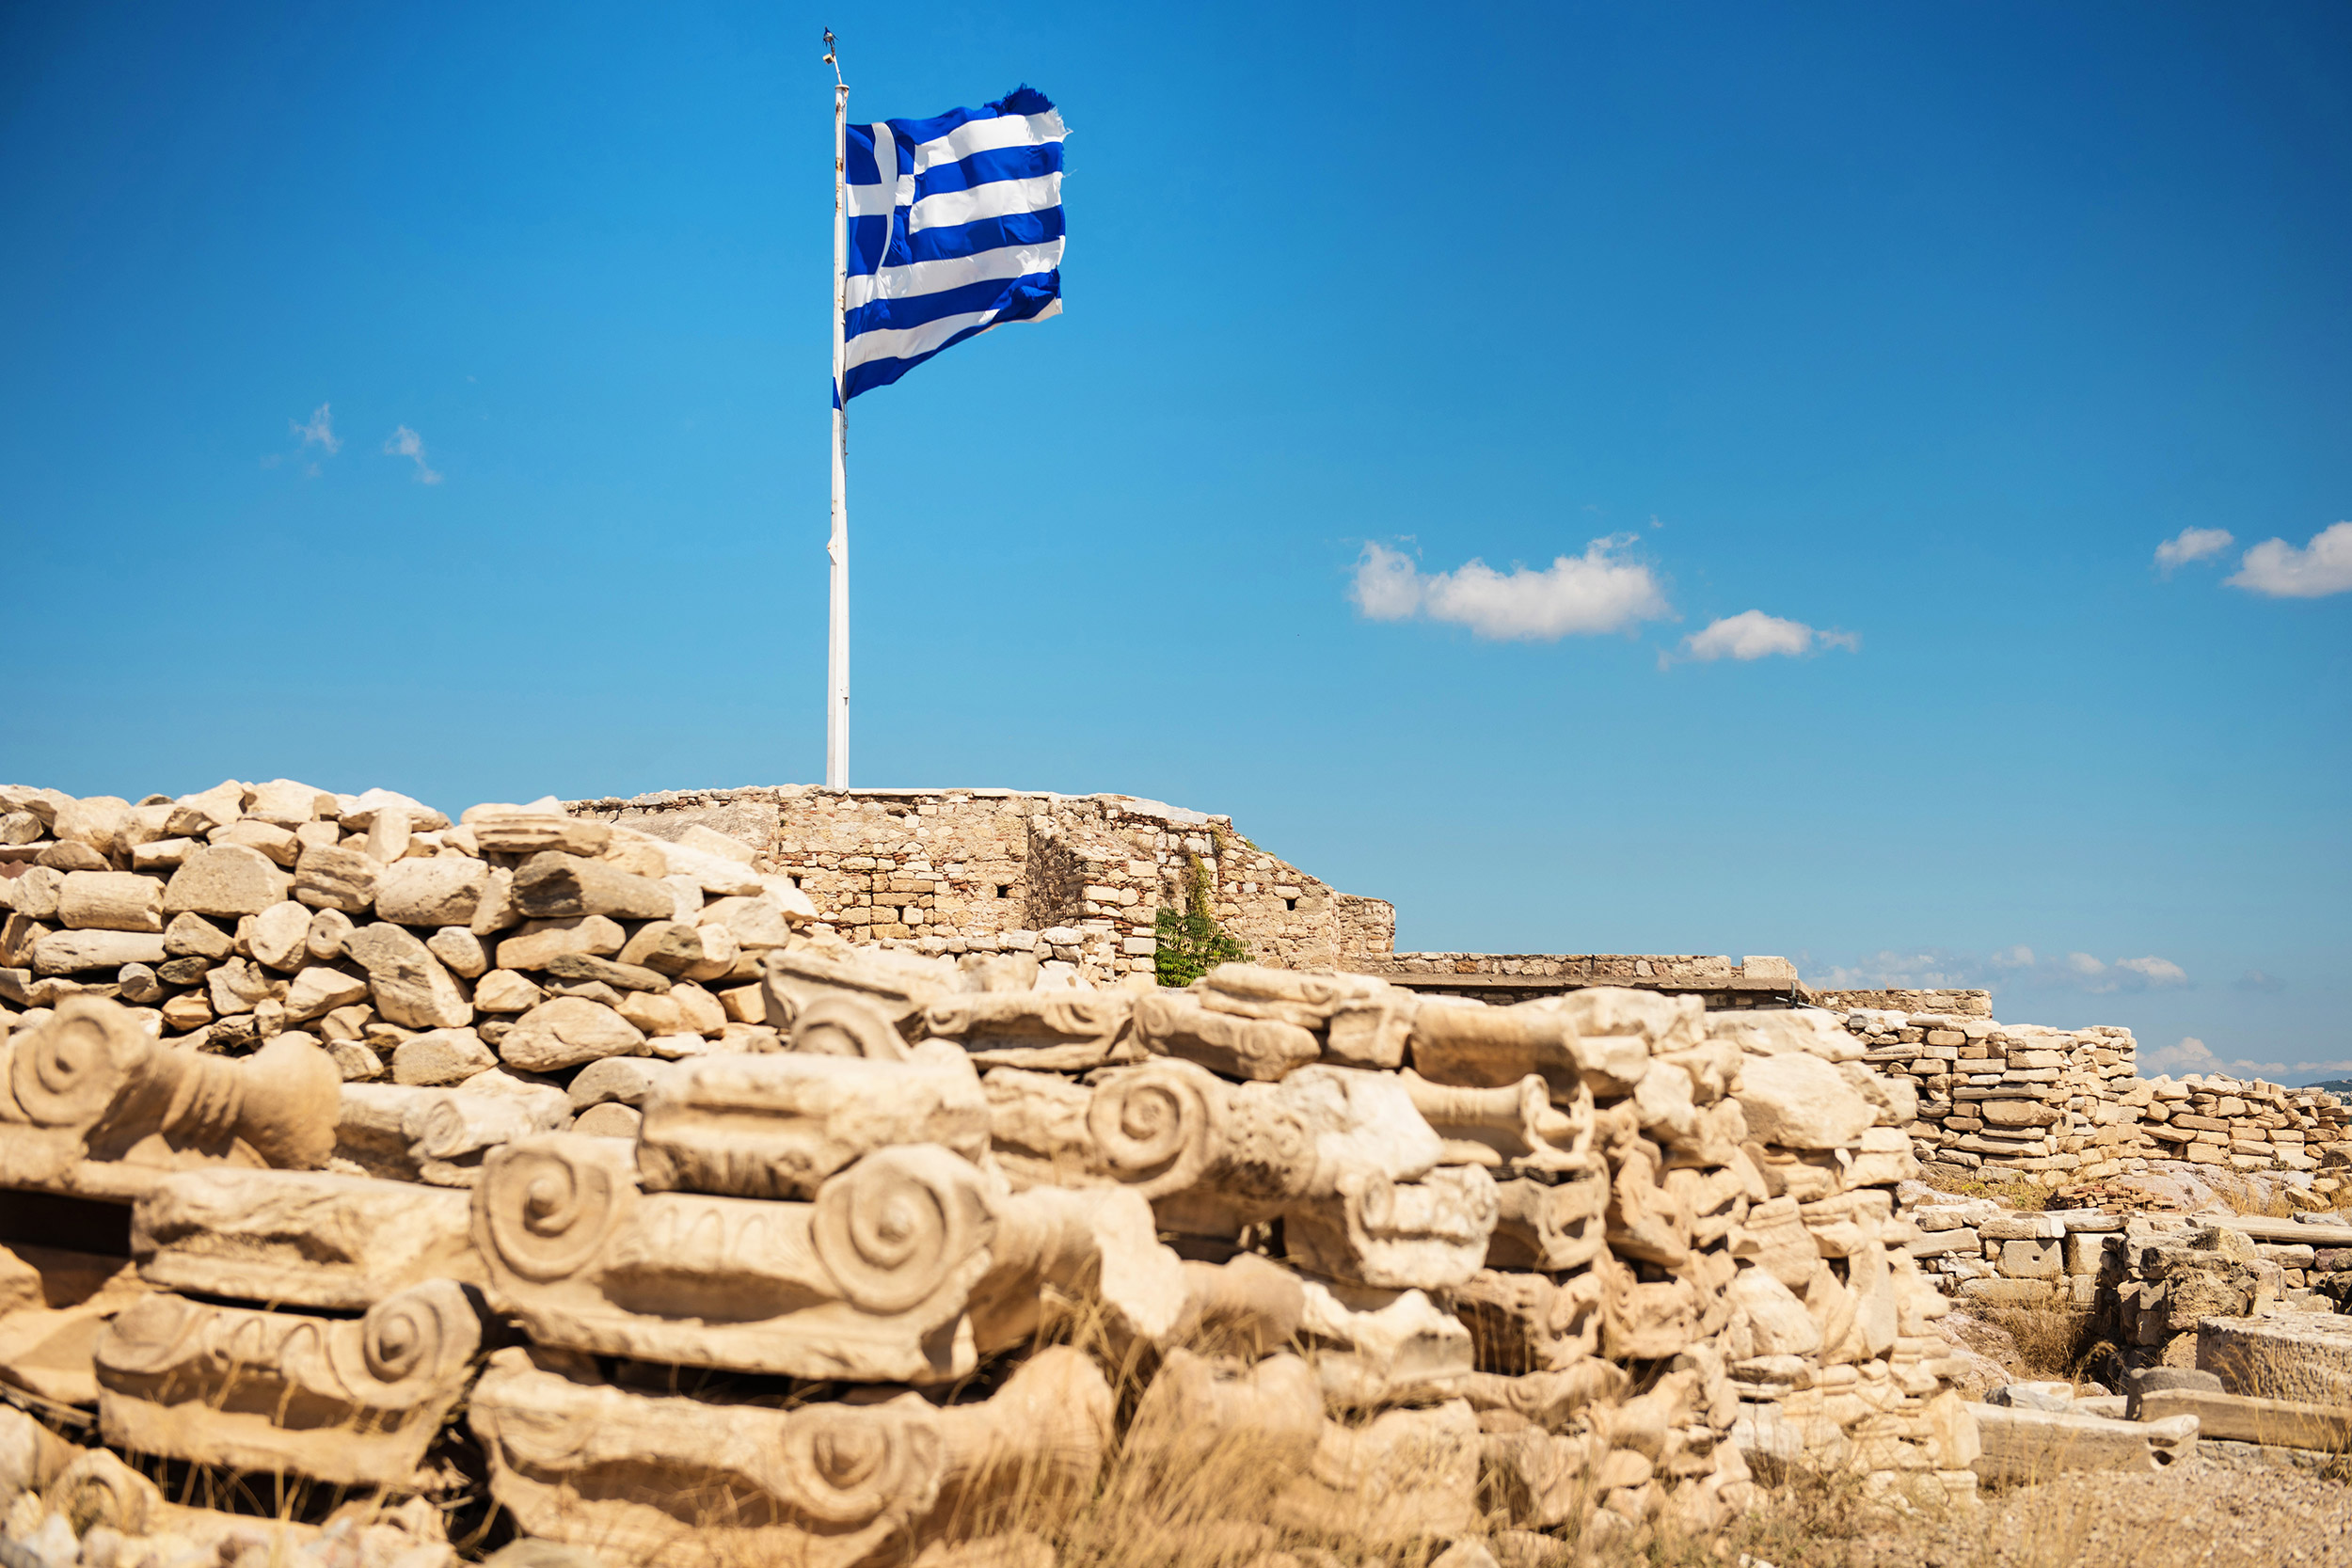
(1548, 1227)
(1646, 1220)
(779, 1126)
(1408, 1475)
(439, 890)
(95, 821)
(2027, 1446)
(1516, 1126)
(1067, 1031)
(34, 894)
(1549, 1400)
(330, 877)
(45, 1342)
(1778, 1031)
(460, 950)
(279, 936)
(1768, 1319)
(502, 991)
(110, 901)
(79, 952)
(352, 1402)
(568, 1031)
(552, 885)
(1092, 1256)
(722, 876)
(1496, 1047)
(1248, 1306)
(1429, 1233)
(1797, 1101)
(609, 1120)
(1261, 1049)
(1256, 1426)
(669, 947)
(282, 848)
(316, 991)
(758, 924)
(440, 1056)
(838, 1001)
(90, 1083)
(675, 1482)
(1884, 1159)
(615, 1081)
(500, 830)
(496, 911)
(1211, 1155)
(1618, 1029)
(2303, 1356)
(410, 986)
(300, 1238)
(1372, 1347)
(213, 808)
(289, 804)
(1527, 1323)
(868, 1283)
(2250, 1418)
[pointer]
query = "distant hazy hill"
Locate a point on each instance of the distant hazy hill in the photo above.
(2333, 1086)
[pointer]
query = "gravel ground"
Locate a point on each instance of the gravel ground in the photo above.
(2200, 1514)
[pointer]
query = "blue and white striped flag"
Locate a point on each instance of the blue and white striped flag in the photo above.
(955, 226)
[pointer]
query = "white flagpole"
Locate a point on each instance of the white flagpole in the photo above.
(838, 547)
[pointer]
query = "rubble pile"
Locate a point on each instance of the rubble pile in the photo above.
(538, 1162)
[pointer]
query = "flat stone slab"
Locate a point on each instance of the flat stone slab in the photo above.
(2297, 1356)
(2021, 1447)
(2243, 1419)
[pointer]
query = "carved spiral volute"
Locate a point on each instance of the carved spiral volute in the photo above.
(1158, 1126)
(69, 1071)
(898, 1225)
(421, 1334)
(546, 1207)
(847, 1464)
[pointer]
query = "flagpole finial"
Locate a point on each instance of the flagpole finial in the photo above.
(830, 59)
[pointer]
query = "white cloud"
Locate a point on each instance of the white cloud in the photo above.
(2194, 1055)
(320, 430)
(2156, 971)
(1753, 633)
(404, 442)
(2017, 967)
(1387, 588)
(1576, 596)
(2278, 570)
(2192, 543)
(2191, 1056)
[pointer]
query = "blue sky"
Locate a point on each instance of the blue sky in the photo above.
(1915, 331)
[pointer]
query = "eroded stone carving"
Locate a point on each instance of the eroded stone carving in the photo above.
(1429, 1233)
(1515, 1125)
(90, 1083)
(300, 1238)
(667, 1482)
(869, 1281)
(777, 1126)
(1063, 1031)
(354, 1401)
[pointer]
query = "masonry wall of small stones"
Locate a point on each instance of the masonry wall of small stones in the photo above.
(1073, 878)
(899, 1220)
(2065, 1106)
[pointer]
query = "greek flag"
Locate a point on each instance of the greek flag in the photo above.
(955, 226)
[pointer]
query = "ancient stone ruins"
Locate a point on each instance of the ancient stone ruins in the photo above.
(810, 1177)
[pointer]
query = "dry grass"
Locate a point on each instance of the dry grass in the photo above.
(2017, 1193)
(2051, 1344)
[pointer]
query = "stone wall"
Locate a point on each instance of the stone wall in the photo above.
(1070, 878)
(2057, 1106)
(536, 1159)
(1506, 978)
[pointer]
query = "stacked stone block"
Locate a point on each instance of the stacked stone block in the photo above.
(1076, 879)
(2003, 1101)
(798, 1279)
